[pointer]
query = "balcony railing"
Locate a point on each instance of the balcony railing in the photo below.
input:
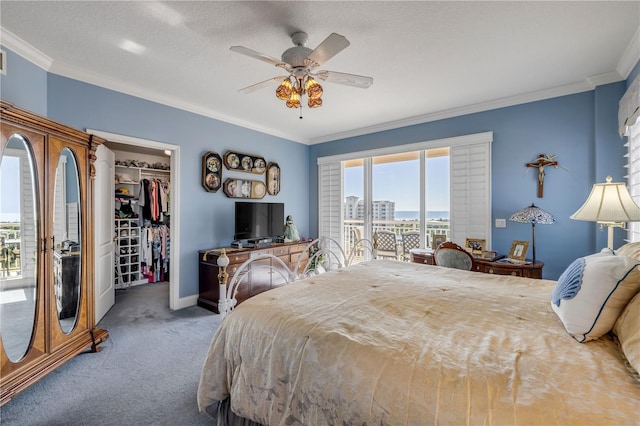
(354, 230)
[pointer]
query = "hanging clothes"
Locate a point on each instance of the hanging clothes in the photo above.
(154, 199)
(144, 200)
(155, 254)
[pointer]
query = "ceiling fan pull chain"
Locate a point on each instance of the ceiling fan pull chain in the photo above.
(300, 111)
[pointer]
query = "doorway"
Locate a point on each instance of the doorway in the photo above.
(148, 147)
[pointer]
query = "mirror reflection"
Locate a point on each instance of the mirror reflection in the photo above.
(66, 231)
(18, 247)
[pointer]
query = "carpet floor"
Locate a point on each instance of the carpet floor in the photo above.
(146, 374)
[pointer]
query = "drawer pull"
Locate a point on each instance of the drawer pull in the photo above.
(491, 271)
(514, 273)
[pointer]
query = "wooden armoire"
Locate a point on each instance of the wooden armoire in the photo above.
(47, 250)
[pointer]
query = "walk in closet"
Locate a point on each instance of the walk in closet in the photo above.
(142, 219)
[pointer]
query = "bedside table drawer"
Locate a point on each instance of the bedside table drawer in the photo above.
(490, 269)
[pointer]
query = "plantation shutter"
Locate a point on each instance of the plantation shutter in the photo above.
(330, 202)
(633, 176)
(470, 192)
(628, 115)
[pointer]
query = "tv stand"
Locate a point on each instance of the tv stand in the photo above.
(258, 280)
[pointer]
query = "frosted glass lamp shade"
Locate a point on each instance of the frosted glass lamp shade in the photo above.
(608, 203)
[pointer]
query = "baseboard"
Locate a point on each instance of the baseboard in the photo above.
(185, 302)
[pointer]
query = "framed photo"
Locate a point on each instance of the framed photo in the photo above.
(273, 178)
(437, 240)
(240, 188)
(211, 172)
(475, 245)
(241, 162)
(518, 250)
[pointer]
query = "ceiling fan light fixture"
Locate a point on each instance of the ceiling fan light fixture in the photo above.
(294, 99)
(301, 63)
(313, 89)
(284, 90)
(314, 102)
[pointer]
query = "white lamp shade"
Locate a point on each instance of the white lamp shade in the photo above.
(608, 202)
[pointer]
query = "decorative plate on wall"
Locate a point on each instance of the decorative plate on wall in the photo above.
(273, 178)
(240, 162)
(211, 171)
(240, 188)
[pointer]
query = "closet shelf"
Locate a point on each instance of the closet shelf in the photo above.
(126, 200)
(144, 169)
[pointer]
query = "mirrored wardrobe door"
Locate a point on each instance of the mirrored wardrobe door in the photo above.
(67, 237)
(21, 286)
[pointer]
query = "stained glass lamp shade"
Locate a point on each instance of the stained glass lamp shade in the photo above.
(533, 215)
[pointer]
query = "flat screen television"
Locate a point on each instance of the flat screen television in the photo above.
(258, 220)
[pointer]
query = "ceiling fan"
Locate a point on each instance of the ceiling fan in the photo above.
(301, 63)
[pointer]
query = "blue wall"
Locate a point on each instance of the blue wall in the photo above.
(634, 72)
(25, 84)
(580, 130)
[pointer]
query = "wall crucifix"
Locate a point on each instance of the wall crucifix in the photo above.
(543, 160)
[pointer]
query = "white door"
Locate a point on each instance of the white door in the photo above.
(104, 205)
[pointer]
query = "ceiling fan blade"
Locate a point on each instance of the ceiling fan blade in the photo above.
(261, 56)
(262, 84)
(326, 50)
(347, 79)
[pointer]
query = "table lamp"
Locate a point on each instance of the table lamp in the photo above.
(533, 214)
(610, 205)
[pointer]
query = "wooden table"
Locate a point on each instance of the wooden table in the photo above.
(529, 270)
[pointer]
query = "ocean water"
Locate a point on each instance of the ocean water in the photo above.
(415, 215)
(9, 217)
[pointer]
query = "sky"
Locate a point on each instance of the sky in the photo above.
(400, 182)
(9, 192)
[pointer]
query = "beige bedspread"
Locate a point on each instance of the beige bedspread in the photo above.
(393, 343)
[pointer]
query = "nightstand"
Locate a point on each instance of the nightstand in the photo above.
(530, 270)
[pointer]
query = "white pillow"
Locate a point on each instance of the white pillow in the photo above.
(592, 292)
(629, 250)
(627, 328)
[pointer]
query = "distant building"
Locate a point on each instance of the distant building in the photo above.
(351, 207)
(382, 209)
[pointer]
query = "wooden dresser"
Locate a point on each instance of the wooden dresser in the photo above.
(257, 281)
(482, 265)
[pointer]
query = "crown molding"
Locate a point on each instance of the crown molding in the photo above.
(24, 49)
(630, 57)
(68, 71)
(589, 83)
(602, 79)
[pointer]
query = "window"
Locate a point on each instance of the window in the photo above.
(401, 188)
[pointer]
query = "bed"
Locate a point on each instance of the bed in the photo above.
(394, 343)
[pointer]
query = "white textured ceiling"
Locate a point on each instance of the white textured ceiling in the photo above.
(428, 60)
